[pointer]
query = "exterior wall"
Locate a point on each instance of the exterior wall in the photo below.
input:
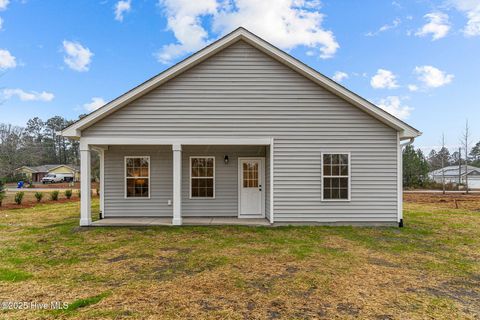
(242, 92)
(226, 180)
(116, 205)
(61, 170)
(27, 172)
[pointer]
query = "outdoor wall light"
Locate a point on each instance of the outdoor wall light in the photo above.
(225, 159)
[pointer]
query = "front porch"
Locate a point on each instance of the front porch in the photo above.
(187, 221)
(187, 182)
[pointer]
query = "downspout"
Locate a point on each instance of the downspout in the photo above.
(401, 145)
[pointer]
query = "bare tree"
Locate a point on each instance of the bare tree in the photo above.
(465, 144)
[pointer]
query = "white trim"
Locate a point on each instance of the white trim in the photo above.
(239, 186)
(74, 130)
(349, 175)
(190, 175)
(271, 180)
(399, 179)
(251, 141)
(125, 177)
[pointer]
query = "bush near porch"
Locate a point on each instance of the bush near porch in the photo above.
(429, 269)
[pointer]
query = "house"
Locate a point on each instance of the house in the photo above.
(241, 130)
(457, 175)
(35, 174)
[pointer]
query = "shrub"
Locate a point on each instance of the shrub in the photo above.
(68, 193)
(19, 197)
(79, 194)
(39, 196)
(54, 195)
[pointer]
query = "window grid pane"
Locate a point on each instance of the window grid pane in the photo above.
(335, 176)
(137, 177)
(202, 177)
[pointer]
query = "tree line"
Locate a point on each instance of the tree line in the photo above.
(416, 165)
(37, 143)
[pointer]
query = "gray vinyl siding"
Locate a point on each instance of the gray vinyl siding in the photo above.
(161, 182)
(225, 202)
(241, 92)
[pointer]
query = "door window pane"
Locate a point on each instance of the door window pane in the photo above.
(250, 174)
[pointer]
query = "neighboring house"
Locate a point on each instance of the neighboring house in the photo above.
(35, 174)
(241, 129)
(457, 175)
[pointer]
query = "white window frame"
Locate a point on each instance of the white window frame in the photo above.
(190, 174)
(349, 176)
(125, 177)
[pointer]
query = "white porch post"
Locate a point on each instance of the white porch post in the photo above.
(85, 186)
(272, 173)
(399, 181)
(177, 184)
(102, 183)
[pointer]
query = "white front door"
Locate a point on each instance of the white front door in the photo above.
(251, 202)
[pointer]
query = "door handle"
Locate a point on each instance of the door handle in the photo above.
(259, 187)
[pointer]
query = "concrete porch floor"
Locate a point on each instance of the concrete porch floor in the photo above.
(187, 221)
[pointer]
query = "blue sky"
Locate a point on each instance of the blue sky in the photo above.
(418, 59)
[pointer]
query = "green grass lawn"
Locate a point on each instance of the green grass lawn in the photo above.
(428, 270)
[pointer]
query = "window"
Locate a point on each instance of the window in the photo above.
(202, 177)
(137, 177)
(336, 176)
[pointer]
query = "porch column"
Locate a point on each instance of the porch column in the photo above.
(85, 186)
(102, 183)
(177, 184)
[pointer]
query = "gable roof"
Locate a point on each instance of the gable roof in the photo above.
(453, 171)
(48, 167)
(406, 131)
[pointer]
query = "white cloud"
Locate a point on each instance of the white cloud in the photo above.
(184, 20)
(438, 26)
(28, 96)
(432, 77)
(78, 57)
(286, 23)
(122, 7)
(4, 4)
(93, 105)
(412, 87)
(471, 8)
(395, 23)
(394, 106)
(384, 79)
(7, 61)
(339, 76)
